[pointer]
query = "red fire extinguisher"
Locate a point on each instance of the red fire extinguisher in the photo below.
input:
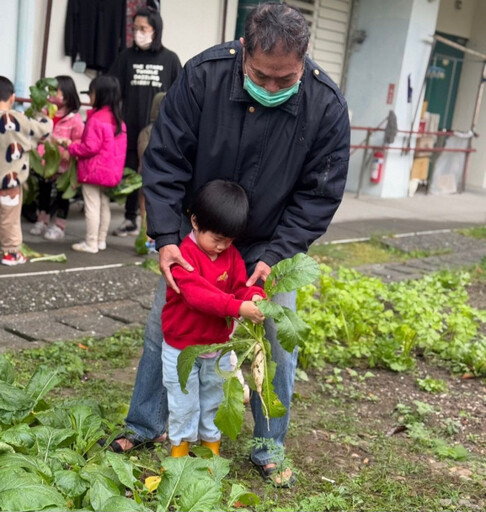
(377, 165)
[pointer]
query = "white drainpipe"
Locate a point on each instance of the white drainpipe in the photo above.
(25, 45)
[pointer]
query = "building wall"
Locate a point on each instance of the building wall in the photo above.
(192, 26)
(397, 45)
(8, 37)
(467, 93)
(418, 45)
(455, 21)
(14, 37)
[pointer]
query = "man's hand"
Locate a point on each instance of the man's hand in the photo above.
(250, 311)
(262, 271)
(168, 256)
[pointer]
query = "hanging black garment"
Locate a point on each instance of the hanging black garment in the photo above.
(96, 30)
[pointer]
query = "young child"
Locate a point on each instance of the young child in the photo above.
(101, 157)
(213, 292)
(67, 125)
(18, 136)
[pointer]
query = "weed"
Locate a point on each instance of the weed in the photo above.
(432, 385)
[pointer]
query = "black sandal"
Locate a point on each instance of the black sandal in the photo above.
(272, 474)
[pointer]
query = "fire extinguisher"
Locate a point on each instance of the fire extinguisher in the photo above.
(377, 165)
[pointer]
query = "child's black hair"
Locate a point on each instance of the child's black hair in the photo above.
(222, 207)
(107, 92)
(6, 88)
(68, 88)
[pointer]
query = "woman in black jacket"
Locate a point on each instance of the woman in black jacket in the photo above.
(143, 70)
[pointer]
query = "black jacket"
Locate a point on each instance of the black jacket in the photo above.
(96, 30)
(292, 160)
(143, 74)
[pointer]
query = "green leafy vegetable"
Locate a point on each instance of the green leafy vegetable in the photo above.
(46, 165)
(130, 182)
(291, 331)
(55, 258)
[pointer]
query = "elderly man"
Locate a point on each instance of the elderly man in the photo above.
(260, 112)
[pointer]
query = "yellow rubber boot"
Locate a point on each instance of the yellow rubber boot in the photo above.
(213, 446)
(180, 451)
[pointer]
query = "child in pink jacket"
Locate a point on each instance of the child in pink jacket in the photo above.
(101, 158)
(67, 125)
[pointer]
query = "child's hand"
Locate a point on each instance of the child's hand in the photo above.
(63, 142)
(250, 311)
(256, 298)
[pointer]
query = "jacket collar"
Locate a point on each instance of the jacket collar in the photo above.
(239, 94)
(67, 116)
(93, 111)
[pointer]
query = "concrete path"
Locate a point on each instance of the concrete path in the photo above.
(96, 295)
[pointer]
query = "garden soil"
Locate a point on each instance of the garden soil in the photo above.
(349, 425)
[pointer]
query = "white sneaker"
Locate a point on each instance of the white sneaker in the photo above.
(101, 246)
(54, 233)
(39, 229)
(84, 247)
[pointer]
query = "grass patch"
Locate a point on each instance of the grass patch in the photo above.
(353, 254)
(476, 232)
(374, 251)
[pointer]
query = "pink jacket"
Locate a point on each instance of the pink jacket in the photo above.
(69, 127)
(101, 154)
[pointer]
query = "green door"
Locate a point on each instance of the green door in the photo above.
(443, 80)
(244, 7)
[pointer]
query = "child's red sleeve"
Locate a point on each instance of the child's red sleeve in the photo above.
(239, 287)
(200, 294)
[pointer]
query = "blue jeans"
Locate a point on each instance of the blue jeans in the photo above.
(148, 414)
(191, 415)
(284, 387)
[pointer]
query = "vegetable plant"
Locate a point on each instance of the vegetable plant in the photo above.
(39, 97)
(354, 317)
(34, 256)
(286, 276)
(46, 158)
(131, 181)
(50, 459)
(47, 163)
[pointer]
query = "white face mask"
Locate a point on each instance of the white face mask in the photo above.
(143, 39)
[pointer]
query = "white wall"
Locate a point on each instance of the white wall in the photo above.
(8, 37)
(455, 21)
(57, 62)
(191, 26)
(418, 45)
(466, 97)
(396, 45)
